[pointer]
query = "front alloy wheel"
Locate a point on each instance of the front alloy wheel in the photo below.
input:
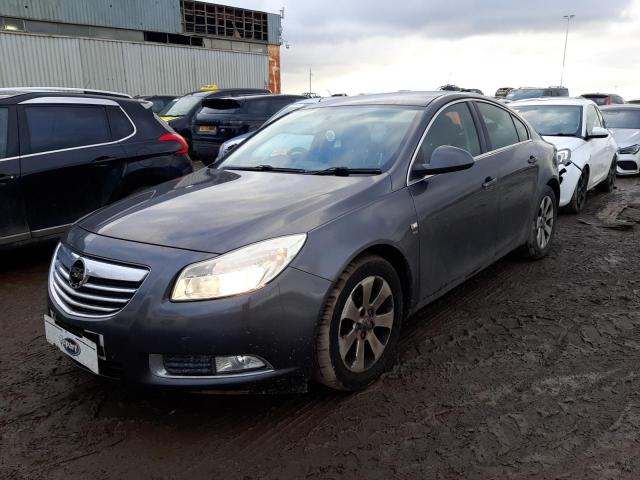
(365, 324)
(579, 197)
(360, 325)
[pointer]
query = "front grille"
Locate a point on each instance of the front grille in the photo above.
(104, 289)
(189, 365)
(627, 165)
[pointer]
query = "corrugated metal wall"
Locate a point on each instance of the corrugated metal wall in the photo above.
(134, 68)
(273, 23)
(156, 15)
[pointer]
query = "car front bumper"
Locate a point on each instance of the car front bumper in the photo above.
(569, 182)
(628, 164)
(275, 323)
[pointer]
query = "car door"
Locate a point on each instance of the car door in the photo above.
(13, 220)
(71, 163)
(509, 146)
(600, 151)
(457, 212)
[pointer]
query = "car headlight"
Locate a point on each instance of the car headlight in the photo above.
(631, 149)
(240, 271)
(563, 157)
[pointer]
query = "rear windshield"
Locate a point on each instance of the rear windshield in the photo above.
(181, 106)
(597, 99)
(622, 118)
(553, 120)
(521, 94)
(320, 138)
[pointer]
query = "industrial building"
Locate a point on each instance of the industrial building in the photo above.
(141, 47)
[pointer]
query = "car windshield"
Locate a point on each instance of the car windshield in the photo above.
(553, 120)
(623, 118)
(181, 106)
(521, 94)
(597, 99)
(311, 140)
(292, 107)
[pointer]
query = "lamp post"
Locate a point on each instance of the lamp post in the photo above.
(566, 39)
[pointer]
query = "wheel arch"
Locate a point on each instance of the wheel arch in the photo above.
(400, 264)
(554, 184)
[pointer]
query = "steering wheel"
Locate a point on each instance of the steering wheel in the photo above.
(297, 151)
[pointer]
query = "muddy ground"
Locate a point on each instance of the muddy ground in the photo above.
(529, 370)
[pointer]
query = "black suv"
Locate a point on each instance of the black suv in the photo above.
(180, 113)
(64, 154)
(224, 118)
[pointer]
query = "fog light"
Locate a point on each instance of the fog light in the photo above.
(238, 363)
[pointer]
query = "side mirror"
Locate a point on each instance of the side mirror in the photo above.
(445, 159)
(598, 132)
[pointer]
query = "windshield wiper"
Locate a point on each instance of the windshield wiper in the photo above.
(265, 168)
(560, 134)
(346, 171)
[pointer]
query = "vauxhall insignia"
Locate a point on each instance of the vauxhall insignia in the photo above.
(77, 274)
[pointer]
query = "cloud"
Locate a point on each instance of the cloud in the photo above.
(312, 21)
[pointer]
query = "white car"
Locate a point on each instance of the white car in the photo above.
(624, 122)
(587, 152)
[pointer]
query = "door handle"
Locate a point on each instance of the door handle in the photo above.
(102, 160)
(6, 178)
(532, 160)
(489, 182)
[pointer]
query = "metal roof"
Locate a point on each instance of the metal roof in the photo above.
(154, 15)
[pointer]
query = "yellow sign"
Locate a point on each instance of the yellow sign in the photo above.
(209, 88)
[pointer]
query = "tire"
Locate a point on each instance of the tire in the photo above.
(351, 364)
(579, 197)
(543, 227)
(609, 184)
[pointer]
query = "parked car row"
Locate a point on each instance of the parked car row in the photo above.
(298, 253)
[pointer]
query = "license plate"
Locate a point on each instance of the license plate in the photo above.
(208, 129)
(81, 349)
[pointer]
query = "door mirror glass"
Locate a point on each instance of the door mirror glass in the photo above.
(445, 159)
(599, 132)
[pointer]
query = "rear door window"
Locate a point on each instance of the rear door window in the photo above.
(261, 107)
(523, 133)
(454, 127)
(4, 131)
(500, 126)
(58, 127)
(121, 127)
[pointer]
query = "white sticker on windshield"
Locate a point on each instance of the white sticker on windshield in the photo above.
(330, 135)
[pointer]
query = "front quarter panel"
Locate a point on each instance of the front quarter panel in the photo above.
(386, 221)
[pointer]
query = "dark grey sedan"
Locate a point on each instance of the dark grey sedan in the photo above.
(301, 254)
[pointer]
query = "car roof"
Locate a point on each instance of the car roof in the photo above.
(410, 99)
(552, 101)
(621, 106)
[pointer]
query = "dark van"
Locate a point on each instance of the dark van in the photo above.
(224, 118)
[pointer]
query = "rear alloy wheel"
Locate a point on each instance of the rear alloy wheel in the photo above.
(360, 325)
(579, 197)
(610, 183)
(543, 227)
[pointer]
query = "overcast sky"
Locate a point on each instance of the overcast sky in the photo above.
(379, 45)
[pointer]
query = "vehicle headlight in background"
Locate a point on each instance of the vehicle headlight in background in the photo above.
(631, 149)
(563, 157)
(240, 271)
